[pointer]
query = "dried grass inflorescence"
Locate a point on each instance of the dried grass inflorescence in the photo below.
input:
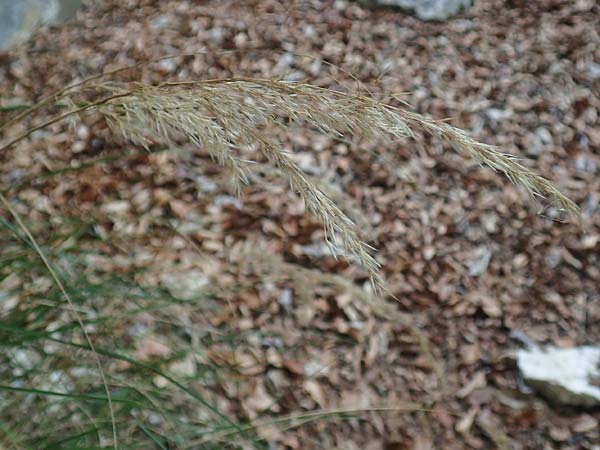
(225, 116)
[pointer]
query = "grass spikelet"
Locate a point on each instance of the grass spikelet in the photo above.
(225, 116)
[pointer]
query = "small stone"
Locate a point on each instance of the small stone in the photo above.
(116, 207)
(497, 115)
(541, 139)
(240, 40)
(590, 241)
(594, 71)
(428, 252)
(168, 65)
(284, 63)
(160, 382)
(426, 9)
(586, 424)
(584, 164)
(161, 21)
(186, 285)
(520, 261)
(559, 434)
(481, 261)
(78, 147)
(142, 200)
(285, 300)
(184, 368)
(544, 136)
(277, 380)
(309, 31)
(563, 375)
(83, 132)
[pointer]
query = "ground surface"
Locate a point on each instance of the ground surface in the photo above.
(462, 249)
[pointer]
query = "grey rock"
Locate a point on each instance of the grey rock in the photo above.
(495, 115)
(20, 18)
(566, 376)
(594, 71)
(426, 9)
(540, 140)
(481, 260)
(584, 164)
(543, 136)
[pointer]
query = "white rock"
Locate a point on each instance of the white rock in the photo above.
(427, 9)
(563, 375)
(116, 207)
(286, 300)
(184, 368)
(497, 115)
(188, 285)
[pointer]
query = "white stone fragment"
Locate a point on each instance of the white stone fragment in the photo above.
(427, 9)
(564, 375)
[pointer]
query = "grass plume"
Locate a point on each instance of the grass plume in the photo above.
(225, 116)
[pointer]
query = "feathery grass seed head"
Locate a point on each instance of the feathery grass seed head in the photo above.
(225, 115)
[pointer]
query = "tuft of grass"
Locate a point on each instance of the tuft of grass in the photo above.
(49, 371)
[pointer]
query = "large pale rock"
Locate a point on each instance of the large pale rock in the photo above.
(427, 9)
(20, 18)
(563, 375)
